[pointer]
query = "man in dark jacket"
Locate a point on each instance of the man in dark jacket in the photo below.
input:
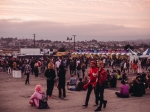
(62, 81)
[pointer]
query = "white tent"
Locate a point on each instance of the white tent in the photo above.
(132, 57)
(122, 53)
(145, 54)
(132, 52)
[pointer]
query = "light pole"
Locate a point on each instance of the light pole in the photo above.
(34, 39)
(74, 40)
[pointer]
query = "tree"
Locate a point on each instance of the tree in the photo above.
(128, 46)
(62, 49)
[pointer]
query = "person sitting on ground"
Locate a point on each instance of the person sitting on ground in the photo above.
(78, 87)
(124, 75)
(108, 74)
(36, 98)
(85, 80)
(135, 88)
(113, 81)
(118, 75)
(124, 90)
(107, 83)
(73, 80)
(142, 81)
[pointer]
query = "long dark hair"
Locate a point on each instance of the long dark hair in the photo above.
(61, 67)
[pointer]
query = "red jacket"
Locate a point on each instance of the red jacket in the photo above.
(102, 77)
(92, 78)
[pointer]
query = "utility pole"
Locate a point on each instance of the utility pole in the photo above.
(34, 40)
(74, 40)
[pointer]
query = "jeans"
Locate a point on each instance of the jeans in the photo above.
(27, 78)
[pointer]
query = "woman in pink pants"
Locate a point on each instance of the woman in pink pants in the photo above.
(34, 99)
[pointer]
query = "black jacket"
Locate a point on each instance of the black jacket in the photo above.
(62, 79)
(50, 74)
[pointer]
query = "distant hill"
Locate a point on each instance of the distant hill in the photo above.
(140, 40)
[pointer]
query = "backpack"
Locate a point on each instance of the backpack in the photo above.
(44, 97)
(43, 102)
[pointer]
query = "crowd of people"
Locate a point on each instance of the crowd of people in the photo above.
(103, 73)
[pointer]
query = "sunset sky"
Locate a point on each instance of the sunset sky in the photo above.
(88, 19)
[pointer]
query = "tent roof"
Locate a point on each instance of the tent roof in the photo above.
(147, 52)
(132, 52)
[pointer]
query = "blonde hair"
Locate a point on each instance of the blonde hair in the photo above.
(50, 65)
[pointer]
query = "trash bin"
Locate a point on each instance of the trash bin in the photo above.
(16, 74)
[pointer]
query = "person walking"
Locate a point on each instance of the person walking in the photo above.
(27, 71)
(92, 82)
(62, 81)
(79, 70)
(101, 79)
(50, 75)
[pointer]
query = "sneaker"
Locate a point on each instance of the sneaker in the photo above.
(98, 109)
(95, 105)
(84, 105)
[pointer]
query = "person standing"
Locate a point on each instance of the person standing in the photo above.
(57, 64)
(27, 71)
(92, 82)
(125, 65)
(36, 71)
(104, 61)
(62, 81)
(134, 65)
(121, 65)
(83, 69)
(131, 66)
(39, 66)
(50, 75)
(9, 66)
(32, 65)
(139, 69)
(79, 70)
(101, 79)
(112, 63)
(71, 67)
(86, 62)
